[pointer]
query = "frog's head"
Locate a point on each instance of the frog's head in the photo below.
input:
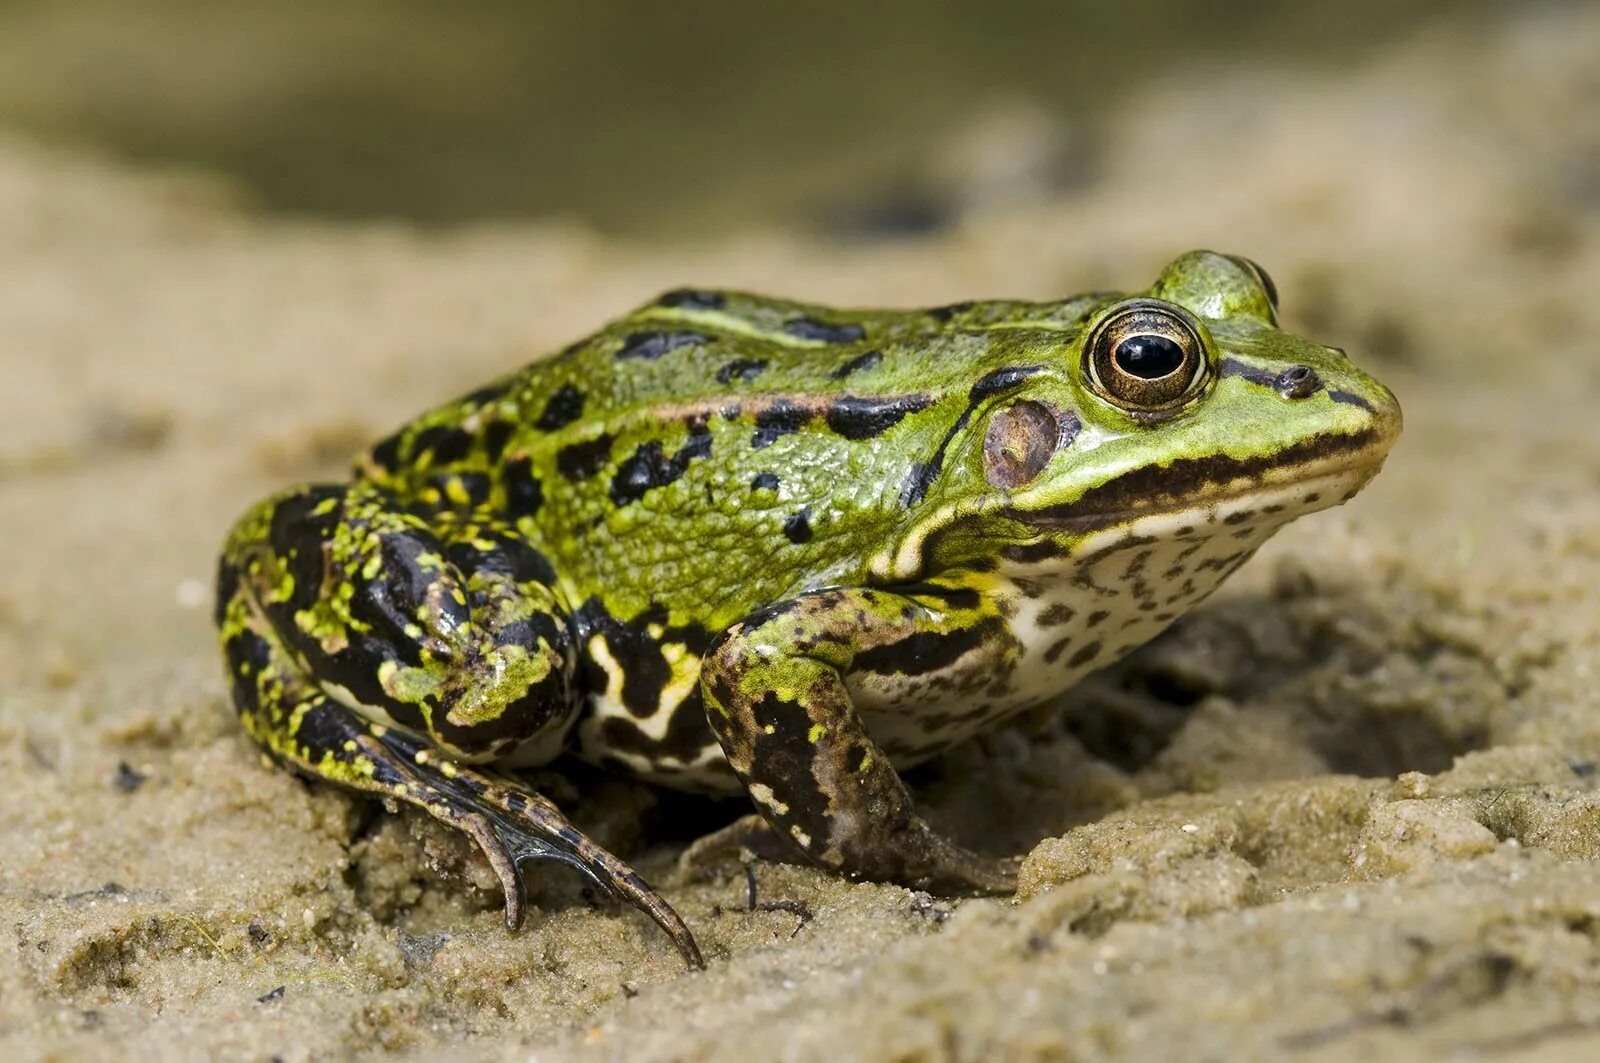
(1178, 414)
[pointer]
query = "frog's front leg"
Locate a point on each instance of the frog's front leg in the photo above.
(777, 697)
(342, 616)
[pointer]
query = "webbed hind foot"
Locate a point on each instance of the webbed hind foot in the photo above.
(512, 826)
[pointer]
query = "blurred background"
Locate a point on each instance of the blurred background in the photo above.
(643, 119)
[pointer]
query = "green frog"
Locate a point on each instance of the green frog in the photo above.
(737, 544)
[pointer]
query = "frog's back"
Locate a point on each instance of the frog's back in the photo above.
(708, 435)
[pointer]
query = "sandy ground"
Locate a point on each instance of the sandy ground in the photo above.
(1346, 809)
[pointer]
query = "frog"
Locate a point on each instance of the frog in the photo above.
(742, 545)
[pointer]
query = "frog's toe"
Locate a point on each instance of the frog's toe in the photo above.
(919, 856)
(513, 827)
(747, 834)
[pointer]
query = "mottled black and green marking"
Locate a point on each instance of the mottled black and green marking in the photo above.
(733, 543)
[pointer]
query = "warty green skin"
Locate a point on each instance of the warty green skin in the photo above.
(737, 543)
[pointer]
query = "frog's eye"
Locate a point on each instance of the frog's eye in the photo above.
(1146, 357)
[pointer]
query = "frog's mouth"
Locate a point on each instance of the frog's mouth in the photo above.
(1308, 470)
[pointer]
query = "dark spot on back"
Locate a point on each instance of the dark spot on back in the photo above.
(693, 299)
(475, 485)
(764, 481)
(742, 368)
(446, 444)
(652, 345)
(524, 493)
(779, 419)
(858, 418)
(564, 407)
(798, 526)
(806, 328)
(579, 461)
(858, 364)
(649, 467)
(496, 434)
(945, 313)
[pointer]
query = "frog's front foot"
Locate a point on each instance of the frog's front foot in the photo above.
(777, 700)
(746, 837)
(917, 856)
(927, 859)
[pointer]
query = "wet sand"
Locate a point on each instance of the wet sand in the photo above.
(1346, 808)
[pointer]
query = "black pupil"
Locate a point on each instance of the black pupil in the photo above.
(1149, 357)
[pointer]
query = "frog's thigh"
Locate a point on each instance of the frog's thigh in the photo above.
(300, 725)
(459, 639)
(776, 698)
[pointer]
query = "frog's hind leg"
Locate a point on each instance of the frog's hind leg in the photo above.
(302, 727)
(300, 724)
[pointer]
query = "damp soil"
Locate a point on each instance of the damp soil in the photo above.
(1346, 808)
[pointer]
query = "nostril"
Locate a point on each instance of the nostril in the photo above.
(1297, 382)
